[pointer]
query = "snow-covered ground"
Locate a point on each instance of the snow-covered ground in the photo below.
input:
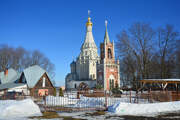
(151, 109)
(12, 109)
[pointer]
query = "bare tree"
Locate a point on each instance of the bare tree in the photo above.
(166, 48)
(19, 59)
(136, 44)
(6, 57)
(148, 53)
(178, 58)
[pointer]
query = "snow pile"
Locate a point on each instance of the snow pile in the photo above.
(150, 109)
(18, 109)
(89, 102)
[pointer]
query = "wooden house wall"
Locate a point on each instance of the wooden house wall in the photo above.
(48, 85)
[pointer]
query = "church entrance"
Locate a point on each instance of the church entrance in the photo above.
(83, 86)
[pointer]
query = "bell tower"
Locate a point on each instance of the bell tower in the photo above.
(107, 48)
(108, 69)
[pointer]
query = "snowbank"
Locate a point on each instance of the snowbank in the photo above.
(151, 109)
(18, 109)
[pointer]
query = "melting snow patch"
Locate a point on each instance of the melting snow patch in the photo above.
(89, 102)
(11, 109)
(151, 109)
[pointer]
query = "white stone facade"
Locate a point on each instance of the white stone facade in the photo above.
(84, 68)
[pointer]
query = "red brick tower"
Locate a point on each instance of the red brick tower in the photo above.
(108, 68)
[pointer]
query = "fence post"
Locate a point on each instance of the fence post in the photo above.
(150, 96)
(44, 98)
(78, 95)
(130, 95)
(137, 97)
(105, 99)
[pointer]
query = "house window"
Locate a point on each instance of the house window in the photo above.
(75, 86)
(23, 80)
(44, 82)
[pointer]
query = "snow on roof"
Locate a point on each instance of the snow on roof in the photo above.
(10, 77)
(33, 74)
(10, 85)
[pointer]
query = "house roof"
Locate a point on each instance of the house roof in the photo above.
(33, 74)
(10, 85)
(12, 76)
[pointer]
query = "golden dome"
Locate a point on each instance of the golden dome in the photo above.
(89, 22)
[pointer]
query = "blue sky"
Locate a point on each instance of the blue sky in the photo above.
(57, 27)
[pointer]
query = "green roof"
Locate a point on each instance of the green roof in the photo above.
(12, 76)
(33, 74)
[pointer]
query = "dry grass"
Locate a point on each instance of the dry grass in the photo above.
(51, 115)
(47, 115)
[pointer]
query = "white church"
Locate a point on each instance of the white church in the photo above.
(89, 69)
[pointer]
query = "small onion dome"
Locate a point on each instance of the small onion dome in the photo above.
(73, 62)
(89, 23)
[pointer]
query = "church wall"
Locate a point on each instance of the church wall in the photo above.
(111, 71)
(72, 84)
(92, 69)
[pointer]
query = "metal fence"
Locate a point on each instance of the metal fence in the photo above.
(98, 100)
(87, 100)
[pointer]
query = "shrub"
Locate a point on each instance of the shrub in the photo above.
(54, 92)
(61, 92)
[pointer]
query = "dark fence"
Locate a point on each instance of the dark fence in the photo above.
(96, 100)
(87, 100)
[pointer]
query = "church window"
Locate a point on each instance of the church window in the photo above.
(112, 83)
(109, 53)
(75, 86)
(93, 76)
